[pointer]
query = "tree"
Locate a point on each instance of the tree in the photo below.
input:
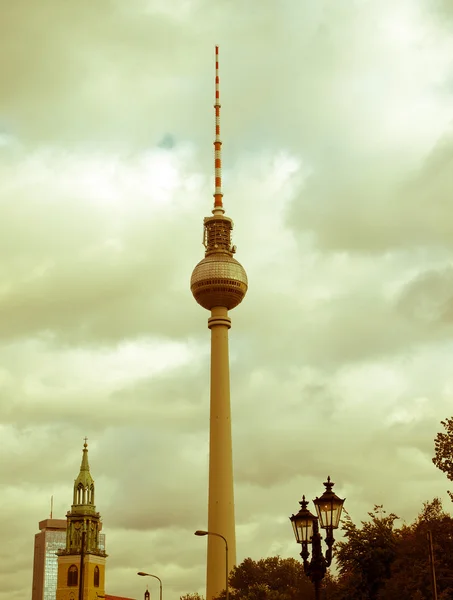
(272, 578)
(410, 572)
(193, 596)
(443, 447)
(378, 561)
(366, 556)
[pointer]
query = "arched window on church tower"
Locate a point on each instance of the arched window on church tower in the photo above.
(73, 573)
(80, 494)
(96, 576)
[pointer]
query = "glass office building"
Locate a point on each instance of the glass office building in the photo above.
(51, 538)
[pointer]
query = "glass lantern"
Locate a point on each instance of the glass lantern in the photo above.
(329, 507)
(303, 523)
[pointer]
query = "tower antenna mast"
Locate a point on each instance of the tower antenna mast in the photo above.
(218, 195)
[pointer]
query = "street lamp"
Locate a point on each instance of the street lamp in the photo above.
(142, 574)
(200, 532)
(306, 531)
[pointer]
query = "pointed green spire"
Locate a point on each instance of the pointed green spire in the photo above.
(85, 466)
(84, 484)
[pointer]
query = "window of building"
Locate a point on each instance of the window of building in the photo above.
(73, 573)
(96, 576)
(80, 494)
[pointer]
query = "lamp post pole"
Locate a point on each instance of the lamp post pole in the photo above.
(431, 565)
(143, 574)
(306, 530)
(82, 564)
(316, 568)
(200, 532)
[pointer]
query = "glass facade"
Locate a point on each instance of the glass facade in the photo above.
(51, 538)
(54, 540)
(102, 542)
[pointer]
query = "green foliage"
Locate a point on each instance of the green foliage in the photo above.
(378, 561)
(194, 596)
(411, 576)
(443, 447)
(272, 578)
(366, 556)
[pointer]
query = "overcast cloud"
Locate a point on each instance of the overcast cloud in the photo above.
(338, 151)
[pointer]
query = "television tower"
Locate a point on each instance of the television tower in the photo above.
(219, 283)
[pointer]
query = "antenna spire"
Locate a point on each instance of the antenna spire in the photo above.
(218, 204)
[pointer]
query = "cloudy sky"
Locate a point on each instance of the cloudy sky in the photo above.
(338, 150)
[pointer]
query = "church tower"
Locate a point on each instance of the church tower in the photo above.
(81, 564)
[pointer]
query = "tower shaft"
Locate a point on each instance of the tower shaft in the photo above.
(221, 493)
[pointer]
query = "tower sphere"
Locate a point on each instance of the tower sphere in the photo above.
(219, 280)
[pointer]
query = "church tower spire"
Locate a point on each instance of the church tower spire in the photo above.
(84, 485)
(81, 564)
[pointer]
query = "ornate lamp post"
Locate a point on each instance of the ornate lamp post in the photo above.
(306, 530)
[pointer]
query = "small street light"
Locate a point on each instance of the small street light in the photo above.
(306, 531)
(201, 532)
(142, 574)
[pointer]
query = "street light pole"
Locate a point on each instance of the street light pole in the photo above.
(306, 530)
(317, 567)
(142, 574)
(431, 564)
(82, 564)
(200, 532)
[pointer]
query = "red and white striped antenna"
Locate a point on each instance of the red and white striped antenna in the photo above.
(218, 203)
